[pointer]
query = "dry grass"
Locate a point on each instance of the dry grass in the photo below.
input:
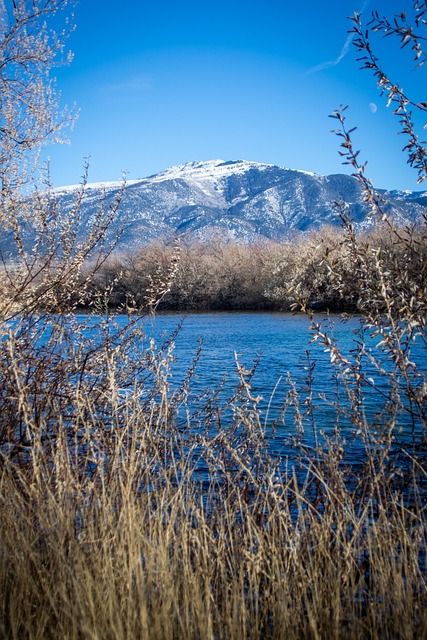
(109, 528)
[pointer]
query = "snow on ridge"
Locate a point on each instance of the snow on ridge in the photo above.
(198, 172)
(216, 169)
(93, 185)
(406, 192)
(306, 173)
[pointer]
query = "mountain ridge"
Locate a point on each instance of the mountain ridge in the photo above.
(243, 200)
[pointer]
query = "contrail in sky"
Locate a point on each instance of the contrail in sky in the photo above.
(343, 52)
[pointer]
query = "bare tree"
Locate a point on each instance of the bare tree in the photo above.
(387, 282)
(30, 116)
(409, 28)
(42, 258)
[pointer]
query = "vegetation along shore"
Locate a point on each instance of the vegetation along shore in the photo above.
(129, 508)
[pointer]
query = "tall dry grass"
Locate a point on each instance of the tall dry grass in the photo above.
(120, 518)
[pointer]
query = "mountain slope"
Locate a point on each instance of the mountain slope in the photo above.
(245, 200)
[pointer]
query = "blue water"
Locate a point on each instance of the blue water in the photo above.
(303, 398)
(281, 344)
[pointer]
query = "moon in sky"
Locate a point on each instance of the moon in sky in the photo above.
(373, 107)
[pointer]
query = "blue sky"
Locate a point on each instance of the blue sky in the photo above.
(163, 83)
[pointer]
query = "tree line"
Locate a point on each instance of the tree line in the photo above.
(314, 270)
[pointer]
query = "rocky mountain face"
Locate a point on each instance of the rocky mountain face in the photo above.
(242, 200)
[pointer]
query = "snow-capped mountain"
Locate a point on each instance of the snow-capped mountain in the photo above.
(244, 200)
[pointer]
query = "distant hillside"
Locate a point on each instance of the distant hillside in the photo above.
(245, 200)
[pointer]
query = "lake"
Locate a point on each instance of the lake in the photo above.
(280, 343)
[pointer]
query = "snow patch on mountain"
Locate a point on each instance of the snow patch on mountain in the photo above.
(240, 199)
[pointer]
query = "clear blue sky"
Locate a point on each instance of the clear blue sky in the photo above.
(163, 83)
